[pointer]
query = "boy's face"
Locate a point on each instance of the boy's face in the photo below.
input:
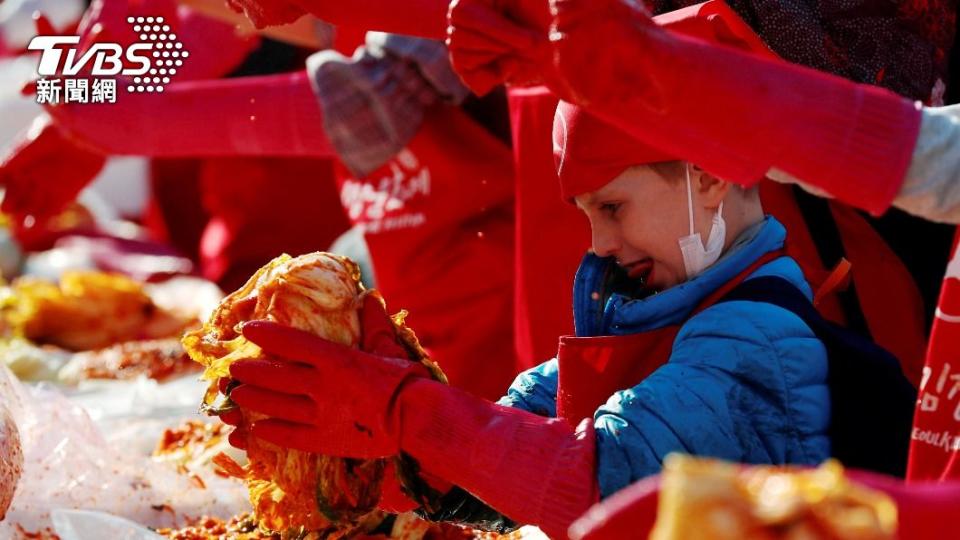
(638, 218)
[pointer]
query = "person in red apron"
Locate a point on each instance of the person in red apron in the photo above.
(431, 186)
(655, 366)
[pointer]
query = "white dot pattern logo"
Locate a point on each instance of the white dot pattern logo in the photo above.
(167, 52)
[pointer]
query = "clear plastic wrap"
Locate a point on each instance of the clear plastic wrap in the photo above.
(69, 462)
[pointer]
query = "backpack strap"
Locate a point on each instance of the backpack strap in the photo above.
(871, 401)
(827, 239)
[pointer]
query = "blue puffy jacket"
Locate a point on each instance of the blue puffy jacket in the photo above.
(745, 381)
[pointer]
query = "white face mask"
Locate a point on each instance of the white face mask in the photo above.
(697, 257)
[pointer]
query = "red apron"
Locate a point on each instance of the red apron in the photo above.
(261, 207)
(591, 369)
(551, 235)
(234, 214)
(175, 214)
(438, 221)
(935, 441)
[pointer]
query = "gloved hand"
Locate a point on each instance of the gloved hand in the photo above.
(43, 172)
(378, 338)
(579, 26)
(493, 42)
(330, 399)
(324, 397)
(853, 141)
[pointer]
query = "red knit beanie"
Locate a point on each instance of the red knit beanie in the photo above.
(589, 153)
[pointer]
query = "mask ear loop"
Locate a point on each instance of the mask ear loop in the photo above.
(689, 197)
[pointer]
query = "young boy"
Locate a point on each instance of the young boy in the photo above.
(742, 380)
(739, 380)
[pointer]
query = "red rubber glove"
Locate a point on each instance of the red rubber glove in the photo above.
(215, 49)
(493, 42)
(324, 397)
(275, 115)
(923, 510)
(424, 18)
(334, 400)
(735, 114)
(44, 172)
(378, 338)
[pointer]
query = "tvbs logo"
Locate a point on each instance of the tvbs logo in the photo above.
(145, 66)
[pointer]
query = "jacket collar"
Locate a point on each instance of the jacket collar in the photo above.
(600, 310)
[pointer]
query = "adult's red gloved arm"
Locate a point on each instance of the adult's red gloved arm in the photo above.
(424, 18)
(46, 169)
(334, 400)
(276, 115)
(735, 114)
(923, 510)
